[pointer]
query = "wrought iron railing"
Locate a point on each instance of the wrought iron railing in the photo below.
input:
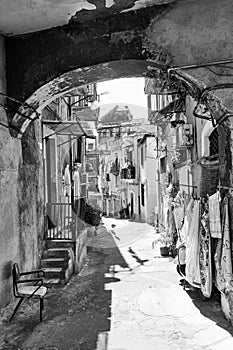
(128, 173)
(64, 220)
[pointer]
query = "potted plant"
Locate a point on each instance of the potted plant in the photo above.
(166, 243)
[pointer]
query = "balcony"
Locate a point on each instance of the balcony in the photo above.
(128, 173)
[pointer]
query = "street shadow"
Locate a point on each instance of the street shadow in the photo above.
(77, 316)
(136, 257)
(210, 307)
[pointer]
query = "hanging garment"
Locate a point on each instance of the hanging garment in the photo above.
(165, 213)
(230, 207)
(183, 233)
(189, 212)
(192, 248)
(67, 181)
(214, 216)
(223, 262)
(77, 184)
(172, 233)
(179, 216)
(205, 256)
(179, 210)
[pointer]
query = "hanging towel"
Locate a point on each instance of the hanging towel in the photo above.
(224, 278)
(179, 216)
(67, 181)
(192, 248)
(214, 216)
(205, 256)
(182, 237)
(77, 184)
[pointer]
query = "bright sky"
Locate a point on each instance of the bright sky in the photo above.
(126, 91)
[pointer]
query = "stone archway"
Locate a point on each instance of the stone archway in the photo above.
(69, 81)
(169, 34)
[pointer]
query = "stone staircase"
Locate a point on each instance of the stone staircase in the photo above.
(57, 262)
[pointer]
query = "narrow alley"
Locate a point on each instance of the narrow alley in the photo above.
(126, 297)
(116, 175)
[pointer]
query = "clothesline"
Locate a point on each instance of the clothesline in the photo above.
(225, 187)
(187, 185)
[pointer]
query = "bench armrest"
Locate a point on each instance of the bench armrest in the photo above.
(32, 272)
(31, 280)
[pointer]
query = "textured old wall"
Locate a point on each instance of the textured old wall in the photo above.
(180, 33)
(20, 201)
(30, 198)
(175, 34)
(9, 219)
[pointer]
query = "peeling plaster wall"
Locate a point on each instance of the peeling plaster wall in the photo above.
(20, 210)
(168, 34)
(9, 228)
(179, 33)
(42, 56)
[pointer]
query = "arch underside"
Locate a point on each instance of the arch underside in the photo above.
(73, 79)
(44, 65)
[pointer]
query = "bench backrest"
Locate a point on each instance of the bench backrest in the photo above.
(16, 277)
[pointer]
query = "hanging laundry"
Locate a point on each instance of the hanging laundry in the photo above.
(214, 216)
(183, 233)
(77, 182)
(179, 216)
(189, 212)
(179, 210)
(205, 256)
(223, 260)
(192, 247)
(230, 207)
(67, 181)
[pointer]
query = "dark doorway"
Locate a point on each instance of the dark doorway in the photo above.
(131, 206)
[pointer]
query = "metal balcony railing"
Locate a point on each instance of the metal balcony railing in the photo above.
(128, 173)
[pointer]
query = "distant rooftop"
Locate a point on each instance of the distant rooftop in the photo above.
(117, 116)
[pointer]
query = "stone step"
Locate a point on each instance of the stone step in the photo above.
(54, 272)
(54, 262)
(57, 252)
(59, 243)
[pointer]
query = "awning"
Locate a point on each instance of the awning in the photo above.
(69, 128)
(176, 106)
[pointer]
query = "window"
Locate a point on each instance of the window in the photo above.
(130, 156)
(143, 194)
(116, 180)
(213, 145)
(90, 146)
(142, 155)
(163, 165)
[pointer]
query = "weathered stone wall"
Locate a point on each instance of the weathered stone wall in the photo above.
(21, 204)
(9, 220)
(181, 33)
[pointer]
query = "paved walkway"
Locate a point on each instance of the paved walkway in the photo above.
(150, 310)
(126, 297)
